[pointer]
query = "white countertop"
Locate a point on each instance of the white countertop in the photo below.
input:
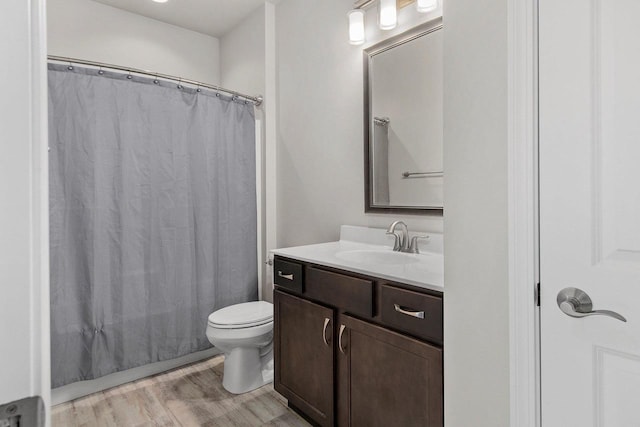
(425, 270)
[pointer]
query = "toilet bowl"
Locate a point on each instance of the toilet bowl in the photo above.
(244, 333)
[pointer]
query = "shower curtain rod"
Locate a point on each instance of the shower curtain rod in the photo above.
(256, 100)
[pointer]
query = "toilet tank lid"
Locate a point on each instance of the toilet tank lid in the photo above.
(243, 314)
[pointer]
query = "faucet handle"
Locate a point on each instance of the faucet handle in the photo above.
(396, 243)
(413, 248)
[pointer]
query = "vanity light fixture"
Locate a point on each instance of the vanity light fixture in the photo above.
(160, 1)
(356, 26)
(388, 15)
(425, 6)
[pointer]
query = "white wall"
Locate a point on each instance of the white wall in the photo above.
(271, 136)
(320, 151)
(476, 298)
(24, 315)
(242, 55)
(86, 29)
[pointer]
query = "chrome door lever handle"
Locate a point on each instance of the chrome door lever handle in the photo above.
(575, 302)
(569, 310)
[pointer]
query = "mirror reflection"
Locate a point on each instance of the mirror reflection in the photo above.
(405, 121)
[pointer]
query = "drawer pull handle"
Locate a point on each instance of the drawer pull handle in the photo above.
(285, 276)
(342, 328)
(324, 331)
(408, 311)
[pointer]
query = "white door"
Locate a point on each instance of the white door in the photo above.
(590, 210)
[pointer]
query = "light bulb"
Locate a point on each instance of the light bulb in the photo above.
(388, 14)
(424, 6)
(356, 26)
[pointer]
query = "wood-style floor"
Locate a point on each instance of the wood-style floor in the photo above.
(188, 396)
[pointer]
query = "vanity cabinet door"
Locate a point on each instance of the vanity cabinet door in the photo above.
(386, 379)
(303, 352)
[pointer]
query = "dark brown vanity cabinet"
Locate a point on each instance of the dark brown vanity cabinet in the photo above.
(356, 351)
(387, 379)
(303, 354)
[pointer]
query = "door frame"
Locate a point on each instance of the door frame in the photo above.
(40, 204)
(523, 221)
(28, 26)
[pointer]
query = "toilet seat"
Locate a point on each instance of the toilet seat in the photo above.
(240, 316)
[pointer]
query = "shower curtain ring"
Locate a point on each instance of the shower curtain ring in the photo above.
(70, 67)
(129, 76)
(100, 71)
(180, 83)
(155, 80)
(198, 88)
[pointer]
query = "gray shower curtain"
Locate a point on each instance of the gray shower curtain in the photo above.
(152, 218)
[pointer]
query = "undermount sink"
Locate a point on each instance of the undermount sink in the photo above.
(386, 257)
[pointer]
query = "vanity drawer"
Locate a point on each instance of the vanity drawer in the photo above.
(351, 294)
(412, 312)
(287, 275)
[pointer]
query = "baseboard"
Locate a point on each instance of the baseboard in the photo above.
(83, 388)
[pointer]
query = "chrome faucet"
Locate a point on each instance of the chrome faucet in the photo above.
(401, 243)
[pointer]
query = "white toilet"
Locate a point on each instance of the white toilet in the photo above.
(244, 333)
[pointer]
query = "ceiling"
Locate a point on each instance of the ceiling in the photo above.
(211, 17)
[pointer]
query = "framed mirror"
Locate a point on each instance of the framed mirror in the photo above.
(403, 79)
